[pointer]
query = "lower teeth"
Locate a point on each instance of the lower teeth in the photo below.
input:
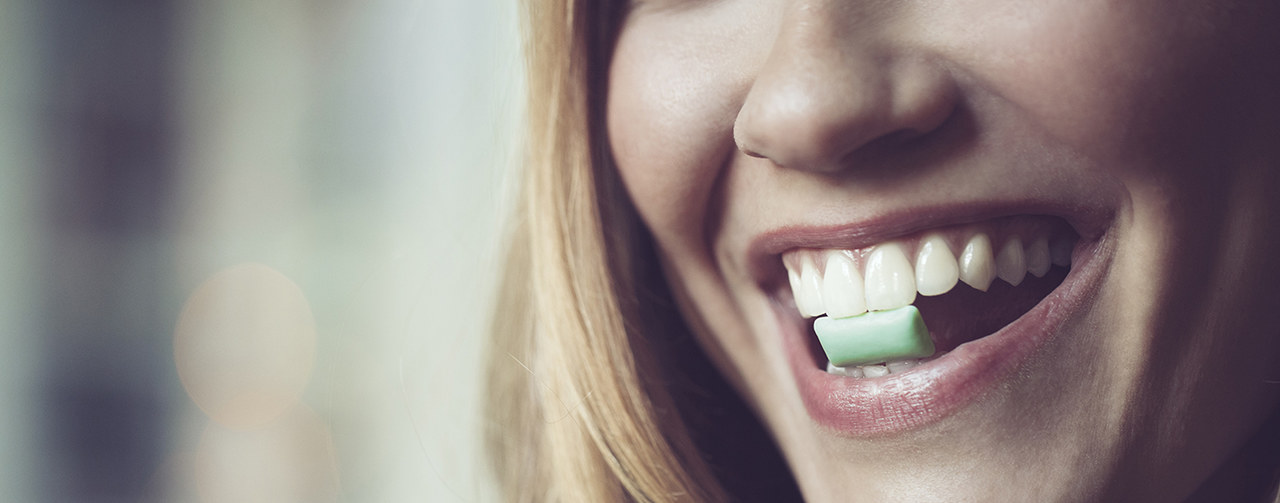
(879, 369)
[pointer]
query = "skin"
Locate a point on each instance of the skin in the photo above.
(731, 118)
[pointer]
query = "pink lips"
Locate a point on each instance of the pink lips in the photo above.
(925, 394)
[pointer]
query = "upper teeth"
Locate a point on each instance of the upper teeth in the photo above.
(831, 282)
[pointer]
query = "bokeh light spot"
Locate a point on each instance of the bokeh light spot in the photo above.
(245, 345)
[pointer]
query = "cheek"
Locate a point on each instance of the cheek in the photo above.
(1107, 77)
(674, 92)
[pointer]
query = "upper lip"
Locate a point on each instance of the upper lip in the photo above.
(765, 250)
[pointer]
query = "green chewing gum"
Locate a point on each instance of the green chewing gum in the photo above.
(874, 337)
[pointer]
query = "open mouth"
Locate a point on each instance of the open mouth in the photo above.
(968, 281)
(989, 290)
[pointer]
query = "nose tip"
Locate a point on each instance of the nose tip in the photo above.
(804, 126)
(821, 96)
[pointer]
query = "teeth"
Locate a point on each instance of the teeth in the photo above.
(1060, 252)
(842, 287)
(832, 282)
(890, 281)
(809, 295)
(875, 370)
(1038, 261)
(794, 278)
(806, 300)
(936, 268)
(844, 371)
(880, 369)
(1011, 265)
(977, 265)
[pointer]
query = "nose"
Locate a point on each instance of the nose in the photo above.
(834, 82)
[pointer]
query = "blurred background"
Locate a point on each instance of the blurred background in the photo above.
(247, 247)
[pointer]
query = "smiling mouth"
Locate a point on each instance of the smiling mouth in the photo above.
(968, 281)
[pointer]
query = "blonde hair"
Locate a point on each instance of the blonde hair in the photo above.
(575, 414)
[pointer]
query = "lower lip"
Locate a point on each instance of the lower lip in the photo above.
(902, 402)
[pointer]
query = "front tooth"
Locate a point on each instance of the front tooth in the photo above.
(842, 287)
(809, 296)
(890, 282)
(1060, 252)
(1038, 261)
(936, 268)
(1011, 265)
(977, 265)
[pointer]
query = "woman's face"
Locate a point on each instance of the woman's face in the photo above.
(768, 143)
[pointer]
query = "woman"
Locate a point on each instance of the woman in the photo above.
(1076, 195)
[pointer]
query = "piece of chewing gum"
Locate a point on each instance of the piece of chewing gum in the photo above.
(874, 337)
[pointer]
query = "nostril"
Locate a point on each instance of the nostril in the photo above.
(743, 145)
(812, 108)
(751, 153)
